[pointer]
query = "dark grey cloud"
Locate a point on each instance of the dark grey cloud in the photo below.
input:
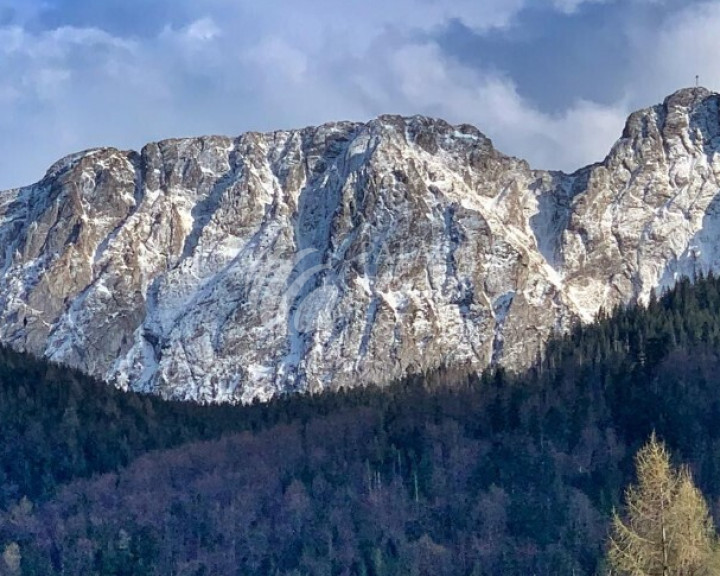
(556, 58)
(553, 58)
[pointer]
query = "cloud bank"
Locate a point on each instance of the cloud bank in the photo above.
(79, 74)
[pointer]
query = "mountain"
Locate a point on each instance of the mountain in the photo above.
(218, 269)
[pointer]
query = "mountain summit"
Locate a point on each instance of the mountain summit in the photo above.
(219, 269)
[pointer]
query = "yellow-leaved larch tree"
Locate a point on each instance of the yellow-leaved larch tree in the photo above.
(666, 529)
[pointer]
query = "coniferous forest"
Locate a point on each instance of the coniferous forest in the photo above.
(445, 473)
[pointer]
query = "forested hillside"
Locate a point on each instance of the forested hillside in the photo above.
(441, 474)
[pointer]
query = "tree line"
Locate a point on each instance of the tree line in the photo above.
(443, 473)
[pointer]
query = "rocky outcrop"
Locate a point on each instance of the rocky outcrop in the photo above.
(218, 269)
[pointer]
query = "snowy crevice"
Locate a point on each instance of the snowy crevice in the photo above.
(552, 217)
(202, 213)
(500, 309)
(319, 204)
(138, 196)
(452, 239)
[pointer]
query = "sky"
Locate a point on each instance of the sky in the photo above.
(551, 81)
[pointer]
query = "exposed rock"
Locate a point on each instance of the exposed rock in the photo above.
(216, 269)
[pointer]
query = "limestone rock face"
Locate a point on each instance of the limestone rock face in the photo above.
(217, 269)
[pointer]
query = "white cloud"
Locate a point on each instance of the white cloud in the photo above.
(203, 30)
(274, 58)
(427, 80)
(571, 6)
(686, 44)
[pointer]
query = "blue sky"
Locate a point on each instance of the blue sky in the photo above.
(548, 80)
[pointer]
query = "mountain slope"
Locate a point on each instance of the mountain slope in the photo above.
(217, 269)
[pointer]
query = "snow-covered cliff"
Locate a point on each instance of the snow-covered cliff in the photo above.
(219, 269)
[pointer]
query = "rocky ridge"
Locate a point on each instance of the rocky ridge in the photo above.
(218, 269)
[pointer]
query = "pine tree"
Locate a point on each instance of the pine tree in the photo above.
(668, 530)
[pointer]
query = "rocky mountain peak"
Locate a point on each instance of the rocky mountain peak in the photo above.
(230, 269)
(687, 98)
(690, 109)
